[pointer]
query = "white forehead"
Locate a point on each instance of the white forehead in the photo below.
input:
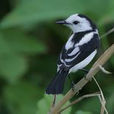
(75, 17)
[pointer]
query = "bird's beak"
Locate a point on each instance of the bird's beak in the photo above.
(62, 22)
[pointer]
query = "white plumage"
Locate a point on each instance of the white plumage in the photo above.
(78, 52)
(69, 43)
(85, 39)
(83, 63)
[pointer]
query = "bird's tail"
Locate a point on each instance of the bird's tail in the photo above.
(57, 84)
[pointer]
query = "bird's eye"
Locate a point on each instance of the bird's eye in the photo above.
(75, 22)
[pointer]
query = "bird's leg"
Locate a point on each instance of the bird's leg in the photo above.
(72, 83)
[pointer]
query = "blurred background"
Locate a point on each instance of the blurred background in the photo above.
(30, 42)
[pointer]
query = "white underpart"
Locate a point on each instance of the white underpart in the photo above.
(76, 49)
(83, 63)
(69, 60)
(85, 39)
(69, 43)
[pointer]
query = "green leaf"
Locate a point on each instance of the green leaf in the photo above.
(39, 10)
(45, 103)
(19, 42)
(30, 12)
(110, 104)
(109, 15)
(14, 46)
(21, 98)
(92, 105)
(12, 67)
(109, 90)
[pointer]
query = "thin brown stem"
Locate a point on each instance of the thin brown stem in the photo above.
(107, 33)
(79, 99)
(54, 100)
(101, 98)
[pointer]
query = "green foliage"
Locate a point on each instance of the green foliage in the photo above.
(27, 12)
(21, 98)
(29, 45)
(12, 67)
(15, 45)
(110, 103)
(46, 102)
(81, 112)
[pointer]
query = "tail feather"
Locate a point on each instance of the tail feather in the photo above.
(57, 84)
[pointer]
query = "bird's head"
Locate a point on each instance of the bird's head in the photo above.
(78, 23)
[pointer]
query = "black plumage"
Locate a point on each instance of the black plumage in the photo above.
(85, 50)
(57, 84)
(74, 53)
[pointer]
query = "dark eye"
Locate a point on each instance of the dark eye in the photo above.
(75, 22)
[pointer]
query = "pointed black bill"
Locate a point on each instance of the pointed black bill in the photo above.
(61, 22)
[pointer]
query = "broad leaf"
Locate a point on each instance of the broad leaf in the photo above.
(21, 98)
(45, 103)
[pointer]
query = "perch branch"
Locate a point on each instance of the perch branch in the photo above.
(95, 68)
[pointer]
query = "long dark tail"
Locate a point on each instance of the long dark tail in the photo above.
(57, 84)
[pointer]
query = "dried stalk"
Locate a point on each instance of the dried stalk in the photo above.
(80, 99)
(101, 98)
(104, 70)
(95, 68)
(54, 100)
(107, 33)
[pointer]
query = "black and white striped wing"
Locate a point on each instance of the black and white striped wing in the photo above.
(72, 56)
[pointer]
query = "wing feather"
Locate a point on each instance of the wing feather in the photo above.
(75, 55)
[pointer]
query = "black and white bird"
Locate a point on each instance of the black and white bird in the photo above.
(78, 52)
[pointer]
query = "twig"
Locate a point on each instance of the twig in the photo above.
(95, 68)
(102, 107)
(107, 33)
(54, 100)
(101, 98)
(104, 70)
(79, 99)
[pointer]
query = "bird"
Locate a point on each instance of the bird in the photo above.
(77, 52)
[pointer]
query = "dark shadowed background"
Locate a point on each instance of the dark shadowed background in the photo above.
(30, 42)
